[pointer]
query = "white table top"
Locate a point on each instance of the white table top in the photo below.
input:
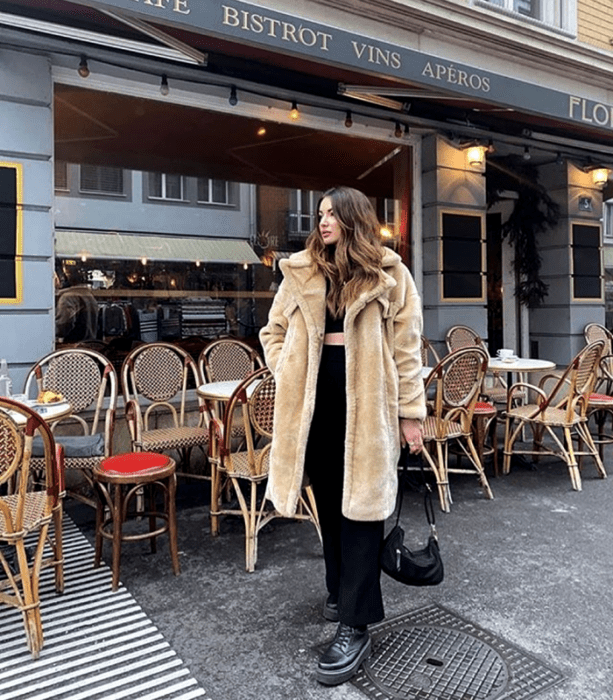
(222, 391)
(48, 411)
(520, 364)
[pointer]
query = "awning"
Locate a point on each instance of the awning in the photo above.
(118, 246)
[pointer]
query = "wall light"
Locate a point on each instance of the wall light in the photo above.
(475, 156)
(164, 89)
(600, 176)
(348, 119)
(398, 131)
(294, 114)
(233, 99)
(83, 69)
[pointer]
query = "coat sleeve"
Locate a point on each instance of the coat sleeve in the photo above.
(272, 335)
(408, 326)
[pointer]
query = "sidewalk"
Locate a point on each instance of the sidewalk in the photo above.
(534, 567)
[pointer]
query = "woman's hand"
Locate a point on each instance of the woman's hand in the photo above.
(411, 434)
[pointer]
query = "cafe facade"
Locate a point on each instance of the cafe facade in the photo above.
(170, 152)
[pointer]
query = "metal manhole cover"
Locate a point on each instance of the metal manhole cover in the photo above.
(436, 662)
(433, 654)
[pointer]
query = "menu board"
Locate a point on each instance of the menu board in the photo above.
(462, 256)
(10, 233)
(587, 267)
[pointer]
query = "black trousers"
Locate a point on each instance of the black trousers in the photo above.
(351, 548)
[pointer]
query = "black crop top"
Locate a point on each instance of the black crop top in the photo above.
(334, 325)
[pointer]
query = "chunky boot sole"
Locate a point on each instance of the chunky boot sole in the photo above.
(343, 674)
(330, 613)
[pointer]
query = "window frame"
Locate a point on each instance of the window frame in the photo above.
(162, 197)
(299, 213)
(210, 202)
(555, 15)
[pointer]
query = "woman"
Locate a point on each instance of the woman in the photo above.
(343, 342)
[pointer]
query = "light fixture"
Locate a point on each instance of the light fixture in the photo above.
(164, 89)
(526, 155)
(245, 266)
(475, 156)
(233, 99)
(490, 147)
(348, 119)
(294, 114)
(406, 130)
(197, 263)
(261, 131)
(559, 159)
(143, 260)
(83, 257)
(398, 131)
(600, 176)
(83, 69)
(385, 232)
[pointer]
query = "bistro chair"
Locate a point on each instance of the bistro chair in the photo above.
(561, 405)
(27, 509)
(604, 380)
(155, 378)
(88, 381)
(228, 359)
(456, 380)
(429, 356)
(245, 465)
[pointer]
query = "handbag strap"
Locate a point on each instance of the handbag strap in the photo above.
(428, 506)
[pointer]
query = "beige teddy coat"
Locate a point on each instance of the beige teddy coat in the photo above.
(383, 360)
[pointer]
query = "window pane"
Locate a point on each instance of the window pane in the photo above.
(220, 191)
(61, 175)
(173, 187)
(155, 184)
(526, 7)
(97, 178)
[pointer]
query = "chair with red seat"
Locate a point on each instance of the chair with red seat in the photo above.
(119, 480)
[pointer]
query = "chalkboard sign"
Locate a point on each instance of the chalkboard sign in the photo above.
(462, 256)
(10, 233)
(587, 267)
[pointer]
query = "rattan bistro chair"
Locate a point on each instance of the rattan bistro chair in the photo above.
(31, 506)
(88, 381)
(604, 380)
(228, 359)
(155, 379)
(562, 408)
(245, 463)
(456, 380)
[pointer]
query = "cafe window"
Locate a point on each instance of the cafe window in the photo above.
(462, 256)
(212, 191)
(559, 14)
(586, 262)
(11, 226)
(98, 179)
(302, 214)
(166, 186)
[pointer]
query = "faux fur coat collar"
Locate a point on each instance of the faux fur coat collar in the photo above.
(383, 362)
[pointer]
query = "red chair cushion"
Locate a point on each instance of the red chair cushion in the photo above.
(601, 397)
(135, 462)
(484, 407)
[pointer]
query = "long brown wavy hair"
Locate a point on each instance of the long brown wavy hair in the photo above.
(353, 264)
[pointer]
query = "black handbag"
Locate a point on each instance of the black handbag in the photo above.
(420, 567)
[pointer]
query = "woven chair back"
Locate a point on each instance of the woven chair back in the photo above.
(228, 359)
(595, 331)
(463, 337)
(261, 405)
(83, 377)
(576, 383)
(463, 376)
(11, 447)
(157, 372)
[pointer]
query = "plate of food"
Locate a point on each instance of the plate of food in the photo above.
(47, 398)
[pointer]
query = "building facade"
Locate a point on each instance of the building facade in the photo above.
(482, 129)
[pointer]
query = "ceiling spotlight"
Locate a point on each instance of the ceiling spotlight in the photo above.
(233, 99)
(348, 120)
(164, 89)
(398, 131)
(526, 155)
(294, 114)
(261, 131)
(83, 69)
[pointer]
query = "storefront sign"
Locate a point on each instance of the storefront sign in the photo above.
(246, 23)
(11, 228)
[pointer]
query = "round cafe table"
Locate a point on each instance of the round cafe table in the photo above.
(48, 411)
(519, 365)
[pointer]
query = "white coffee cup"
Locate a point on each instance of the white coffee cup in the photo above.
(505, 353)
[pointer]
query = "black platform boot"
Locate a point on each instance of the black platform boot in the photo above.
(341, 660)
